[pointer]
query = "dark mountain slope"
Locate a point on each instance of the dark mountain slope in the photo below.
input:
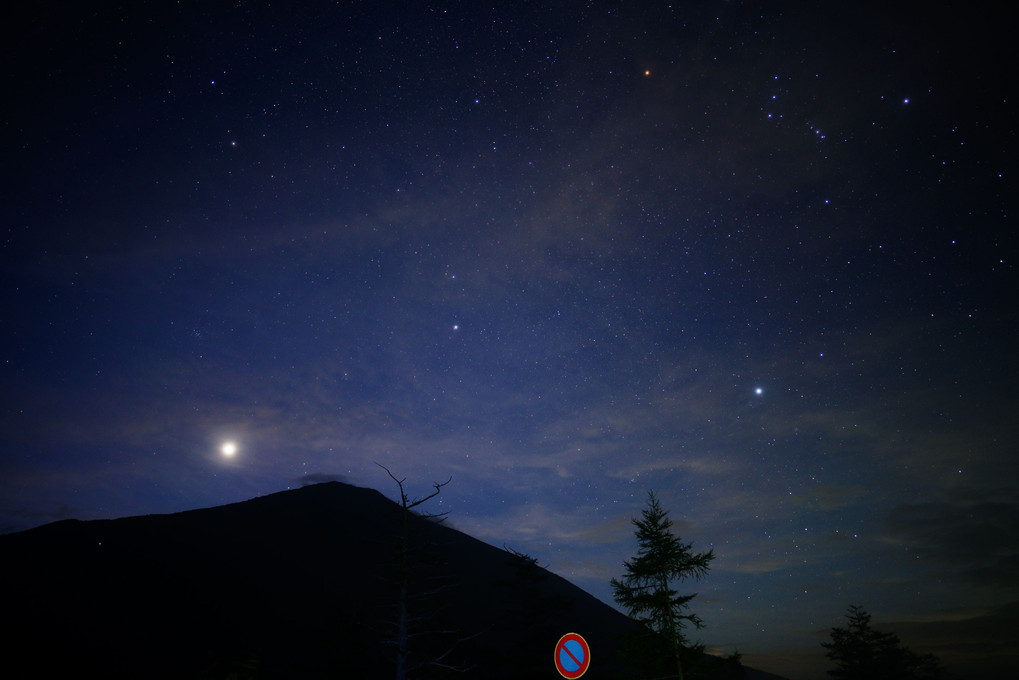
(298, 584)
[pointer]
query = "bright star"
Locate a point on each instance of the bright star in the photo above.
(758, 391)
(228, 449)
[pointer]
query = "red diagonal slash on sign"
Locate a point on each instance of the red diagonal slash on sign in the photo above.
(579, 646)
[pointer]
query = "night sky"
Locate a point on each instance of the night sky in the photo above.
(753, 256)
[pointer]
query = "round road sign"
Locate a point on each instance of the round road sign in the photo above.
(572, 656)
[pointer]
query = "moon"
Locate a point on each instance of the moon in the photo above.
(228, 449)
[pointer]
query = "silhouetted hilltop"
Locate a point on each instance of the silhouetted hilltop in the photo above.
(297, 584)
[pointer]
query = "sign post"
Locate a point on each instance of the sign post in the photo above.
(572, 656)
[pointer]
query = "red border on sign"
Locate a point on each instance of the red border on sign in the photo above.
(570, 675)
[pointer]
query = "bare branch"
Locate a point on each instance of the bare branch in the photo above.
(406, 502)
(399, 483)
(438, 489)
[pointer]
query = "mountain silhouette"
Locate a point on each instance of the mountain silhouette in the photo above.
(296, 584)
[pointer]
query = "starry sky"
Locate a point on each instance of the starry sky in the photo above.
(753, 256)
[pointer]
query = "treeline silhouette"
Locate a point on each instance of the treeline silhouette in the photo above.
(860, 652)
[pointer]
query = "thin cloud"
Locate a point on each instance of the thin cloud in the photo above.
(975, 535)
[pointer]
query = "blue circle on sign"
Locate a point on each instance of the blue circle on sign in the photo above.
(571, 656)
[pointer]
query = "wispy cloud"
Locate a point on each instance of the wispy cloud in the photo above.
(975, 533)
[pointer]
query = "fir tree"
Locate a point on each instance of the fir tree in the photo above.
(862, 653)
(646, 591)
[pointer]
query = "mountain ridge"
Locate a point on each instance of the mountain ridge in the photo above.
(297, 583)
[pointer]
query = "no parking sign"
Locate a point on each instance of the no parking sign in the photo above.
(572, 656)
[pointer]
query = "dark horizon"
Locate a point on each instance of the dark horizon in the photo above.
(753, 258)
(222, 592)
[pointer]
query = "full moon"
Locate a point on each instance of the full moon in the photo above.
(228, 449)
